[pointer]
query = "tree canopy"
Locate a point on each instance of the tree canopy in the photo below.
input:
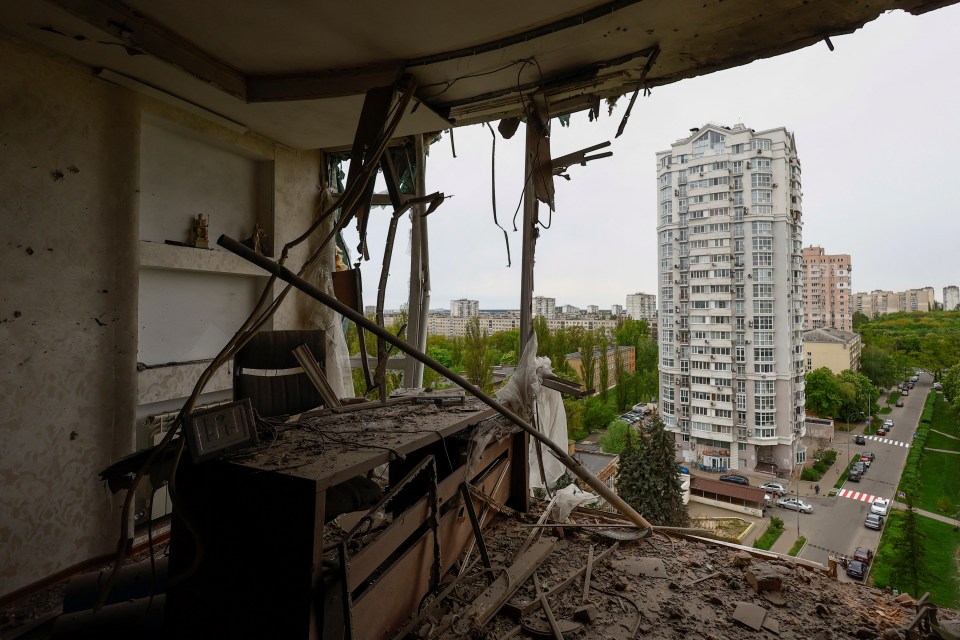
(648, 476)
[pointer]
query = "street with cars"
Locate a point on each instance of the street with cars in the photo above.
(856, 515)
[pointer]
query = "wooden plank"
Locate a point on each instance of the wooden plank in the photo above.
(488, 603)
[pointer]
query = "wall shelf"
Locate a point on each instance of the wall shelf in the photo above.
(158, 255)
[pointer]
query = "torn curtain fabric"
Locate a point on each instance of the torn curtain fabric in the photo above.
(542, 406)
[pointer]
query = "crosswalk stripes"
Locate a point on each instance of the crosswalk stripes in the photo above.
(888, 441)
(858, 495)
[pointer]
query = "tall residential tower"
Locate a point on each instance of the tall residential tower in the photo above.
(827, 296)
(731, 309)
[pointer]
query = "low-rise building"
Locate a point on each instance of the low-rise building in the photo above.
(629, 363)
(832, 348)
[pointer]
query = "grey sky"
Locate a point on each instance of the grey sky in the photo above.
(875, 126)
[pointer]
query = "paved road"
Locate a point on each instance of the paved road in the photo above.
(836, 524)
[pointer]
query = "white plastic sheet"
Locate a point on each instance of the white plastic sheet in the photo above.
(338, 371)
(527, 396)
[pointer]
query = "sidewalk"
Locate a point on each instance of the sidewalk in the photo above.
(928, 514)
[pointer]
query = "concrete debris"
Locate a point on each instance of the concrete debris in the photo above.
(750, 614)
(628, 597)
(764, 581)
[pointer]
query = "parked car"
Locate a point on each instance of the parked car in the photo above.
(910, 384)
(865, 461)
(937, 386)
(860, 440)
(899, 403)
(795, 504)
(880, 506)
(862, 554)
(853, 476)
(860, 467)
(906, 392)
(856, 569)
(888, 423)
(774, 487)
(873, 521)
(736, 479)
(868, 454)
(881, 431)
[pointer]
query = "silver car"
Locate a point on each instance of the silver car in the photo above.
(796, 504)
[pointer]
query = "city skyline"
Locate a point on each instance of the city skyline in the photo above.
(863, 140)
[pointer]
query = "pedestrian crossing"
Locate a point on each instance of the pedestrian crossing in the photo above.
(888, 441)
(858, 495)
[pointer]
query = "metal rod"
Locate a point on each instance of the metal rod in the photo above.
(577, 468)
(530, 207)
(477, 533)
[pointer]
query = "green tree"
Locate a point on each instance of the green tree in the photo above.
(588, 363)
(647, 477)
(823, 392)
(878, 365)
(630, 333)
(939, 351)
(603, 370)
(859, 319)
(477, 365)
(909, 562)
(615, 439)
(623, 383)
(575, 410)
(597, 414)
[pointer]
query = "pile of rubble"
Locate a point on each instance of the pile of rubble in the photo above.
(586, 581)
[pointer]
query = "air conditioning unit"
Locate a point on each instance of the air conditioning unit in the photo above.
(676, 192)
(746, 342)
(774, 185)
(748, 164)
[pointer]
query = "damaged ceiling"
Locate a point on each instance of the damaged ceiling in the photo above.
(296, 71)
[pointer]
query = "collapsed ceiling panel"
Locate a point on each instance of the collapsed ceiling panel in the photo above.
(296, 70)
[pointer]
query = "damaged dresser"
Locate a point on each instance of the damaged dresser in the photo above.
(255, 552)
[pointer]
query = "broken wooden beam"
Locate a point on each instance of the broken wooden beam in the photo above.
(488, 603)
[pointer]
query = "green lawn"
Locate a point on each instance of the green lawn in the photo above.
(769, 536)
(940, 482)
(893, 397)
(941, 545)
(943, 420)
(937, 441)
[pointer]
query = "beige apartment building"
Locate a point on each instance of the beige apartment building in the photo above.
(629, 364)
(442, 324)
(877, 302)
(832, 348)
(827, 296)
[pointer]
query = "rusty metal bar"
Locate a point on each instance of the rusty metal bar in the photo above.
(574, 466)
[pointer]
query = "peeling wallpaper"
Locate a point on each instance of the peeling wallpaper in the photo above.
(69, 167)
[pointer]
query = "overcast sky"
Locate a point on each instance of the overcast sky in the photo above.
(876, 127)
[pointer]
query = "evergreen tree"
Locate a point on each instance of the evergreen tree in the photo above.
(603, 371)
(477, 366)
(909, 563)
(647, 477)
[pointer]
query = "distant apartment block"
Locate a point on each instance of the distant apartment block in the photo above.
(951, 298)
(593, 309)
(569, 310)
(443, 324)
(642, 306)
(731, 309)
(832, 348)
(878, 303)
(616, 310)
(546, 307)
(827, 296)
(464, 308)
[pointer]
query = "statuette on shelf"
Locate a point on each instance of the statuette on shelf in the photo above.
(201, 226)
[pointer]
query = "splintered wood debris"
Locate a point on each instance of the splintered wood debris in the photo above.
(588, 586)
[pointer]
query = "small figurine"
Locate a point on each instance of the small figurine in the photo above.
(200, 230)
(258, 241)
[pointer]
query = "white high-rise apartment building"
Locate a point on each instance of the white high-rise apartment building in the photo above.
(616, 310)
(593, 308)
(731, 310)
(951, 298)
(642, 306)
(546, 307)
(464, 308)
